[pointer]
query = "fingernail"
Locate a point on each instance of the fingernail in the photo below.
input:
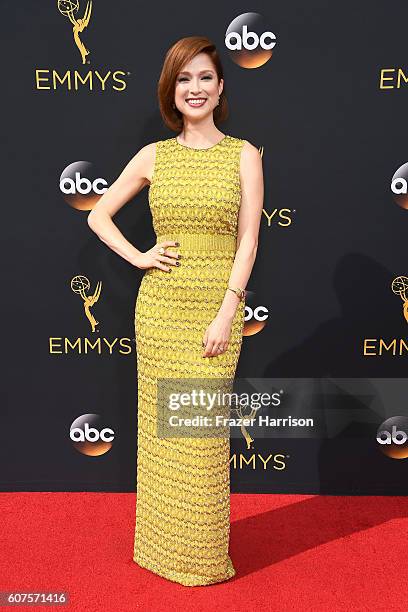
(178, 255)
(177, 244)
(177, 263)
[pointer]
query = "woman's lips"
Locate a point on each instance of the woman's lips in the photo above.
(196, 102)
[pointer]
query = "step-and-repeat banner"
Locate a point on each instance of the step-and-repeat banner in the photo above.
(321, 90)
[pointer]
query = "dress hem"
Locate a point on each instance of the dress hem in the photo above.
(184, 578)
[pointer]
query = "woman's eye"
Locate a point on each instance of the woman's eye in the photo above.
(208, 76)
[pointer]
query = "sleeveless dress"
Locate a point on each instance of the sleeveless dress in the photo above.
(183, 484)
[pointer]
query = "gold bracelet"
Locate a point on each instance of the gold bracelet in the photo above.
(241, 293)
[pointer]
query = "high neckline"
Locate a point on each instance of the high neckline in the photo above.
(205, 149)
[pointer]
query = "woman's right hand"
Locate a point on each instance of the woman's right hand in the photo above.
(153, 259)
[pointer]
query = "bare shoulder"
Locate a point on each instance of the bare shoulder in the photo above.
(144, 159)
(148, 152)
(149, 149)
(251, 158)
(250, 151)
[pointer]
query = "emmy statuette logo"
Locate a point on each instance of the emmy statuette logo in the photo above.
(90, 343)
(245, 420)
(68, 8)
(81, 285)
(393, 346)
(51, 78)
(400, 287)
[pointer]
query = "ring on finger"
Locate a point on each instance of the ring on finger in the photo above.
(161, 251)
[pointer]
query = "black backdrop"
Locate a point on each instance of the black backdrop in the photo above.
(332, 139)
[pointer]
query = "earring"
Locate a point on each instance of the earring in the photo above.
(218, 101)
(174, 106)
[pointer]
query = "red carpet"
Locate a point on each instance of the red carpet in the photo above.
(291, 552)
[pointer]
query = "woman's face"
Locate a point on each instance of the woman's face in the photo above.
(197, 88)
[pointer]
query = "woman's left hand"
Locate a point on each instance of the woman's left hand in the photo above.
(216, 337)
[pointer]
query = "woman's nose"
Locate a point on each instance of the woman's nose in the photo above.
(195, 88)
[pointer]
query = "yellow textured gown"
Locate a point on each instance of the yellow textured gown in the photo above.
(183, 484)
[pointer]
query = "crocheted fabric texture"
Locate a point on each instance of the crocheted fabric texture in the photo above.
(183, 483)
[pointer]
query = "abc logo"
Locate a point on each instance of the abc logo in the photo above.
(392, 436)
(81, 185)
(399, 186)
(248, 40)
(89, 435)
(255, 315)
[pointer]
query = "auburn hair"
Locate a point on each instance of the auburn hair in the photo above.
(176, 57)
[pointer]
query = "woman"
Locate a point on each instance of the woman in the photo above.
(206, 198)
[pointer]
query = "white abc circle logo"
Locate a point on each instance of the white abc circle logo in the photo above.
(399, 186)
(243, 40)
(255, 315)
(392, 437)
(81, 184)
(249, 40)
(91, 434)
(259, 313)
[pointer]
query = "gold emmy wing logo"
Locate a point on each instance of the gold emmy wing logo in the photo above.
(400, 287)
(81, 285)
(249, 440)
(68, 8)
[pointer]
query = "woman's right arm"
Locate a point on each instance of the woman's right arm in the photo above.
(132, 179)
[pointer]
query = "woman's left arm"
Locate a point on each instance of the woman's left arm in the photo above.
(249, 219)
